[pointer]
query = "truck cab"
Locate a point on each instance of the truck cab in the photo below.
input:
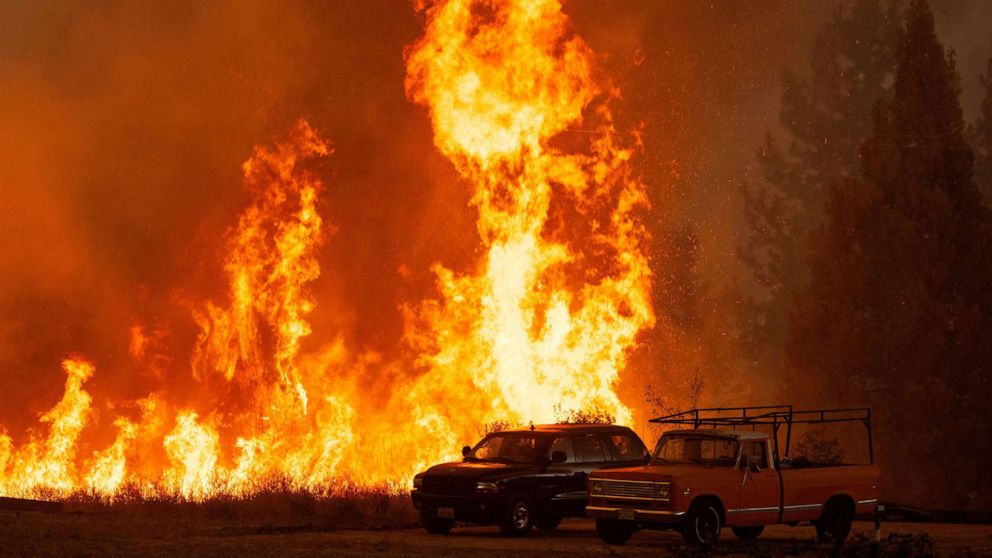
(518, 479)
(702, 479)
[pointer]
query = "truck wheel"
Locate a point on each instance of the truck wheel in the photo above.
(702, 524)
(517, 516)
(835, 522)
(614, 531)
(435, 525)
(748, 533)
(547, 522)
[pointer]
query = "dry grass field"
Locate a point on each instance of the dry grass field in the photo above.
(370, 523)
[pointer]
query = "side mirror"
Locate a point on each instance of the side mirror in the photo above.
(558, 457)
(466, 450)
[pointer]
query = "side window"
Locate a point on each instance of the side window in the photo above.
(757, 449)
(589, 449)
(626, 447)
(565, 445)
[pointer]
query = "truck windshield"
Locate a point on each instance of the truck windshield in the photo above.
(512, 447)
(705, 450)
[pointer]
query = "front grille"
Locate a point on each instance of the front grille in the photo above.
(446, 486)
(623, 489)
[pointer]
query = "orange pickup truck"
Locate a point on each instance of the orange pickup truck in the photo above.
(724, 471)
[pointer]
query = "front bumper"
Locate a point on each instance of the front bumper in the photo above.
(475, 508)
(641, 515)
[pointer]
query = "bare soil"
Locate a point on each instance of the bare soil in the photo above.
(107, 535)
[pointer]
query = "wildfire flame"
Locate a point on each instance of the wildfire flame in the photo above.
(50, 462)
(540, 325)
(548, 318)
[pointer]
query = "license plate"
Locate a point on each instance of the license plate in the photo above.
(625, 514)
(446, 513)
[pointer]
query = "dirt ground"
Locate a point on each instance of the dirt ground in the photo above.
(85, 535)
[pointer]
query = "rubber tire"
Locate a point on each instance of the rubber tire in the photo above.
(435, 525)
(702, 514)
(834, 524)
(615, 531)
(510, 516)
(547, 522)
(748, 533)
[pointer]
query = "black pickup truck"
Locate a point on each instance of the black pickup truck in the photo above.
(521, 478)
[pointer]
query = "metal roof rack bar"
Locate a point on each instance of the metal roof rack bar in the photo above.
(772, 415)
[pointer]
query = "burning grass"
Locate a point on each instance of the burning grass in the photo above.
(275, 503)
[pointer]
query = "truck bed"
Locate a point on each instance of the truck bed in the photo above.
(807, 489)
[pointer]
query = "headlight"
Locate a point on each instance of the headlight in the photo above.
(418, 481)
(663, 491)
(596, 487)
(486, 487)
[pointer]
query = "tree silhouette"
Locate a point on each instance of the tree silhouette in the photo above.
(898, 309)
(981, 136)
(826, 117)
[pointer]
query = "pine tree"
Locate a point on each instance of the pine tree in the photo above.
(898, 310)
(826, 117)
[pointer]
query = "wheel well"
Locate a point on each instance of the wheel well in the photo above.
(843, 500)
(517, 493)
(708, 498)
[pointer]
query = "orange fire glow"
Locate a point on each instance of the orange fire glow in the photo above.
(539, 326)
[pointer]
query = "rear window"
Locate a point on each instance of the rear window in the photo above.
(627, 447)
(563, 445)
(589, 449)
(756, 451)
